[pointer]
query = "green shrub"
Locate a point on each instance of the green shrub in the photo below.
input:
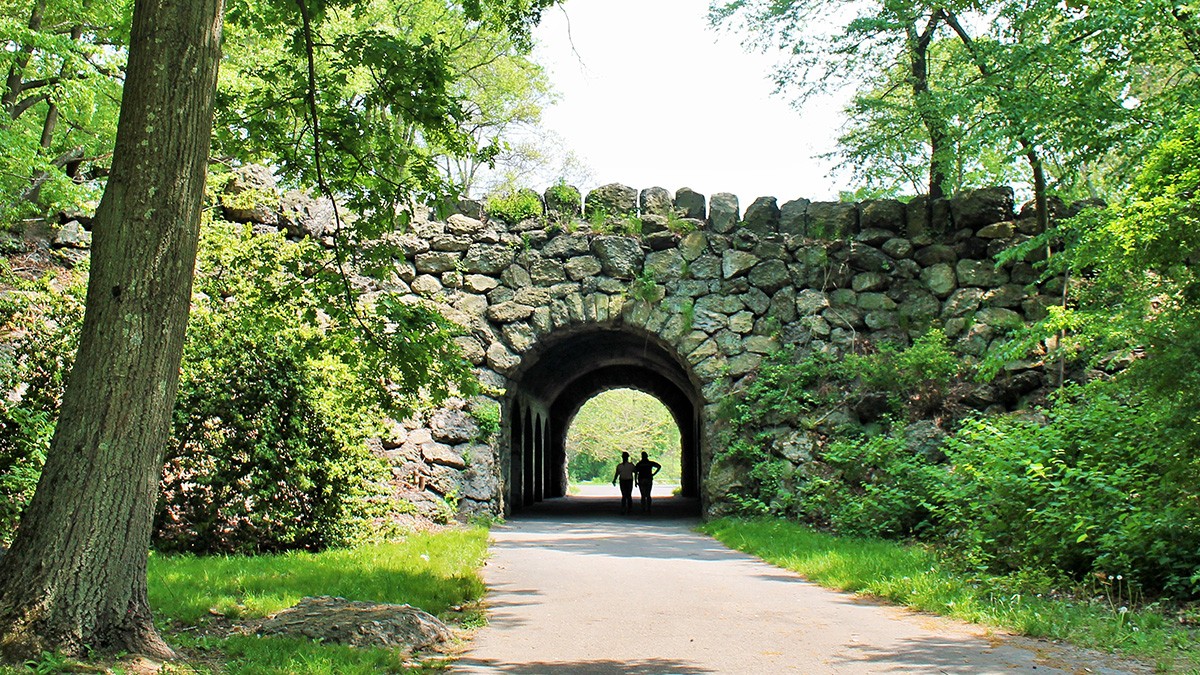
(274, 404)
(1097, 487)
(280, 384)
(513, 207)
(267, 452)
(915, 379)
(876, 486)
(42, 317)
(563, 200)
(487, 418)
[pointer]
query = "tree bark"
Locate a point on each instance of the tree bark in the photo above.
(13, 84)
(76, 574)
(935, 127)
(1041, 201)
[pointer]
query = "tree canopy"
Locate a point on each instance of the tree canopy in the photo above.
(978, 93)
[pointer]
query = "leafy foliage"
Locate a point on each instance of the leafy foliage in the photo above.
(513, 207)
(63, 64)
(42, 316)
(278, 392)
(616, 421)
(411, 98)
(875, 486)
(969, 93)
(1096, 487)
(277, 397)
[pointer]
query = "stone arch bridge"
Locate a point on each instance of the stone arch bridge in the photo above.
(681, 297)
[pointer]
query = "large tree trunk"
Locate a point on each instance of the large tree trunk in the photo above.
(76, 574)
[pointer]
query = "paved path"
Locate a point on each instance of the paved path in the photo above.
(577, 588)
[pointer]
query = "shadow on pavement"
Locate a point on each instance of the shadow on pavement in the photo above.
(1012, 654)
(599, 505)
(596, 667)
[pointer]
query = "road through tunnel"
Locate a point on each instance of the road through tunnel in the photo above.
(567, 369)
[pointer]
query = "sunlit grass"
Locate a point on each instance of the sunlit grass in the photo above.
(436, 572)
(914, 577)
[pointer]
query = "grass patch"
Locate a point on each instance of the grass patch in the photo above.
(437, 572)
(914, 577)
(432, 571)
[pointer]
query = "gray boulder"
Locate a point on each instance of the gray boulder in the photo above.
(359, 624)
(974, 209)
(614, 199)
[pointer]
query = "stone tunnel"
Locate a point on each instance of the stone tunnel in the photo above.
(682, 298)
(567, 369)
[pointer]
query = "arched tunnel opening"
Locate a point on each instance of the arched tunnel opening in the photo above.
(566, 370)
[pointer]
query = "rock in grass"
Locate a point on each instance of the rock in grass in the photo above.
(359, 624)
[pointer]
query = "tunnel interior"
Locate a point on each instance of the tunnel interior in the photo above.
(558, 376)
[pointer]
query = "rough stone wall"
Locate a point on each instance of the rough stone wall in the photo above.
(722, 288)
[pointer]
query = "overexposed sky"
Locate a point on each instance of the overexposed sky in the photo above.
(650, 96)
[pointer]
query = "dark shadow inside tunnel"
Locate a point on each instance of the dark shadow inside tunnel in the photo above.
(562, 373)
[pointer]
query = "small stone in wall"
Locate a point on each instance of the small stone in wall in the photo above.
(770, 275)
(464, 225)
(792, 216)
(734, 263)
(762, 216)
(453, 426)
(487, 259)
(831, 220)
(471, 350)
(614, 199)
(655, 201)
(981, 273)
(500, 359)
(723, 212)
(479, 283)
(426, 285)
(976, 208)
(882, 214)
(934, 254)
(620, 257)
(874, 236)
(1001, 230)
(439, 453)
(690, 204)
(940, 279)
(898, 248)
(508, 312)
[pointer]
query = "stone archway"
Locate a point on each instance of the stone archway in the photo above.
(563, 371)
(554, 312)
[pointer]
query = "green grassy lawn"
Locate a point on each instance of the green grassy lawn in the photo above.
(1099, 616)
(437, 572)
(198, 600)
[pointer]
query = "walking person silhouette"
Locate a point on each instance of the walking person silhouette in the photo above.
(625, 474)
(645, 470)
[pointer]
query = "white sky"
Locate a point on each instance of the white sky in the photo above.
(656, 98)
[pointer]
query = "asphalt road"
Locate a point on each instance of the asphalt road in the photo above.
(577, 588)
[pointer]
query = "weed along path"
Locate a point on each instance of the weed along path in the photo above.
(577, 588)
